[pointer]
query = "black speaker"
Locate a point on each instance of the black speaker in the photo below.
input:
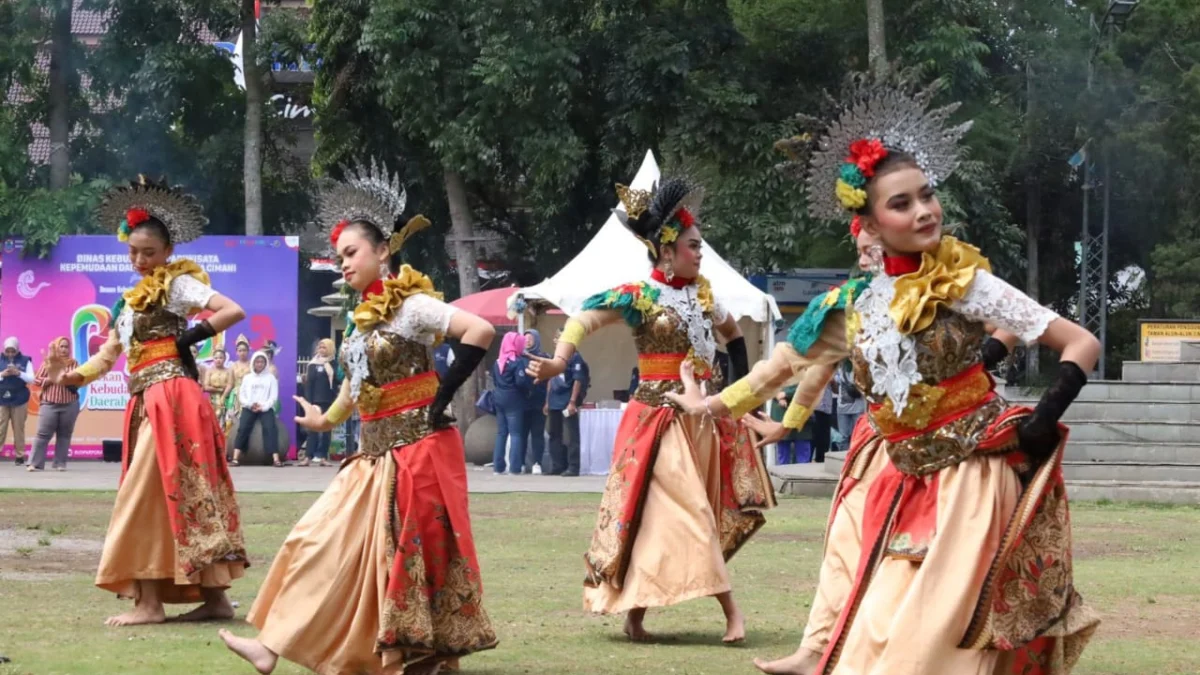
(111, 450)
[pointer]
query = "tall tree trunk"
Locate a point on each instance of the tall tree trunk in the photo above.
(253, 136)
(60, 103)
(876, 39)
(1033, 219)
(463, 228)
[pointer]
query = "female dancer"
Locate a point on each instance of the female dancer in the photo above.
(218, 382)
(380, 576)
(175, 534)
(965, 563)
(683, 494)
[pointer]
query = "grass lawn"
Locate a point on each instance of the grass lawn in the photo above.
(1140, 565)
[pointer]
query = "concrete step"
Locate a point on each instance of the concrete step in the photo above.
(1133, 411)
(1167, 492)
(1131, 472)
(1120, 451)
(1135, 433)
(1108, 390)
(1151, 371)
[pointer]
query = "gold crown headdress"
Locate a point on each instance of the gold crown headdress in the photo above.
(657, 216)
(125, 207)
(834, 157)
(368, 193)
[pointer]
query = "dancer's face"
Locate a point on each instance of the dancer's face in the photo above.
(147, 250)
(242, 352)
(686, 254)
(361, 261)
(219, 359)
(865, 242)
(905, 212)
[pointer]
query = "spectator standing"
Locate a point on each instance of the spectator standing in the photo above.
(850, 406)
(510, 393)
(822, 419)
(567, 393)
(58, 407)
(319, 390)
(16, 372)
(535, 406)
(258, 395)
(797, 443)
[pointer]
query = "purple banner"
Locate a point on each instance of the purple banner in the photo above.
(71, 293)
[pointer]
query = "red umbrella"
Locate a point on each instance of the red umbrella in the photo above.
(491, 305)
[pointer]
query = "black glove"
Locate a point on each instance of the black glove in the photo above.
(1038, 434)
(194, 335)
(739, 363)
(994, 351)
(466, 359)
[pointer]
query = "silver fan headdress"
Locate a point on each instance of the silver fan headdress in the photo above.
(894, 111)
(369, 193)
(180, 212)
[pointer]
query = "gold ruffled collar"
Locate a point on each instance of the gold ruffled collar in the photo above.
(152, 289)
(704, 294)
(382, 306)
(944, 276)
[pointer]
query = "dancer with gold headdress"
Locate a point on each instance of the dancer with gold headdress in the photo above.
(240, 368)
(175, 534)
(683, 494)
(965, 556)
(380, 575)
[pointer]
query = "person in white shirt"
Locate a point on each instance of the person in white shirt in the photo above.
(258, 394)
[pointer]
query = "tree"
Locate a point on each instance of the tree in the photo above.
(252, 165)
(61, 73)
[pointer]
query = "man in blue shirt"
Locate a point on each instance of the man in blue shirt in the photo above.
(566, 394)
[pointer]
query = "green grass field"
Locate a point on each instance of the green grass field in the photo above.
(1138, 564)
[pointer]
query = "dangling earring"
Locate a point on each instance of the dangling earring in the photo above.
(875, 253)
(670, 272)
(384, 271)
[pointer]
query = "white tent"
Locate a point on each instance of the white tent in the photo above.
(614, 256)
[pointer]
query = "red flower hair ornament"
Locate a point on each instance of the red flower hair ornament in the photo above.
(337, 232)
(865, 154)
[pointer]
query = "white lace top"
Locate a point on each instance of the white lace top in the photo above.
(185, 297)
(686, 304)
(892, 357)
(421, 319)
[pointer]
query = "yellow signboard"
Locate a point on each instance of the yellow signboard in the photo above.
(1162, 340)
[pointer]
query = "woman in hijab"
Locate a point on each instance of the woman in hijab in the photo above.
(319, 390)
(535, 406)
(511, 391)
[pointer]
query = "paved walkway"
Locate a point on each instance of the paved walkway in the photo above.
(92, 475)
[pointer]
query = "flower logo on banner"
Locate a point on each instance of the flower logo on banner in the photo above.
(25, 287)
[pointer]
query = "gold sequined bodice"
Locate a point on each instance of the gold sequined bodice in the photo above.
(666, 333)
(945, 350)
(154, 324)
(393, 358)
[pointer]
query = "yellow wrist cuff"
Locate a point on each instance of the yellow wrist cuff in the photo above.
(796, 416)
(338, 412)
(740, 399)
(573, 333)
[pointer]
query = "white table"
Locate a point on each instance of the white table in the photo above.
(597, 434)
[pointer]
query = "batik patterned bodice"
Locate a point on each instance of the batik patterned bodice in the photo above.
(391, 375)
(928, 392)
(148, 336)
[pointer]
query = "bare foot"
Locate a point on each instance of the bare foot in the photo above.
(803, 662)
(634, 628)
(212, 610)
(735, 628)
(253, 651)
(139, 615)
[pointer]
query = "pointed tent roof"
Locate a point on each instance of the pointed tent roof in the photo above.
(614, 256)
